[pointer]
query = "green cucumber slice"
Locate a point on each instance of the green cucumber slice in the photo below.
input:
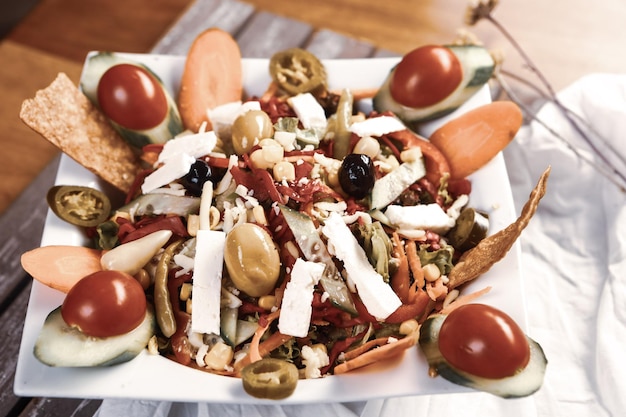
(63, 346)
(526, 382)
(95, 66)
(478, 67)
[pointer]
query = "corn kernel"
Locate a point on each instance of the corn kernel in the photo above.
(431, 272)
(367, 146)
(185, 291)
(267, 302)
(219, 356)
(284, 170)
(193, 224)
(408, 326)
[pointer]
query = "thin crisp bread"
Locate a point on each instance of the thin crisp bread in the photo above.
(492, 249)
(64, 116)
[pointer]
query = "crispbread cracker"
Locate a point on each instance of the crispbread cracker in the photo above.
(65, 117)
(492, 249)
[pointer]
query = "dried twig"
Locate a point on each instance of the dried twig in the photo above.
(482, 10)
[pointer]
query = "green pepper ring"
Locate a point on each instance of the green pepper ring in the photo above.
(270, 378)
(298, 71)
(78, 205)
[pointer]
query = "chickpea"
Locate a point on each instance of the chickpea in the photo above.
(249, 128)
(252, 259)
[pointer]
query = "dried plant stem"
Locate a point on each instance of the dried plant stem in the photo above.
(551, 95)
(611, 174)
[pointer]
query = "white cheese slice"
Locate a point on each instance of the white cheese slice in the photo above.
(207, 281)
(389, 187)
(377, 126)
(422, 216)
(308, 110)
(175, 168)
(296, 309)
(377, 296)
(225, 114)
(195, 145)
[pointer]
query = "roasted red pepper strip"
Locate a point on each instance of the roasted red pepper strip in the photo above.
(436, 163)
(338, 347)
(410, 311)
(173, 223)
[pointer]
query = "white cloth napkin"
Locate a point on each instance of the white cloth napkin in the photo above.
(574, 265)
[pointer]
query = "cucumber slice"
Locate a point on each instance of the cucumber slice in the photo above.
(471, 227)
(524, 383)
(228, 325)
(245, 330)
(389, 187)
(314, 249)
(95, 66)
(478, 66)
(61, 345)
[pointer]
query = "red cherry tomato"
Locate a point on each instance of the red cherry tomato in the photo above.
(104, 304)
(131, 97)
(426, 76)
(483, 341)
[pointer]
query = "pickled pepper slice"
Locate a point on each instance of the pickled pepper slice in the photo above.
(297, 71)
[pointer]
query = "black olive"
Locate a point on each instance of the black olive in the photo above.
(199, 173)
(356, 175)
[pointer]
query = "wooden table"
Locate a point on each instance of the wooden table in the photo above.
(349, 29)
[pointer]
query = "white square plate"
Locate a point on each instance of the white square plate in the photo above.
(158, 378)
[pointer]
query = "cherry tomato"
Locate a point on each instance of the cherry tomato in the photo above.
(132, 97)
(104, 304)
(426, 76)
(483, 341)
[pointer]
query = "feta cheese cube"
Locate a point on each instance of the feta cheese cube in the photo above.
(207, 281)
(296, 309)
(422, 216)
(378, 297)
(377, 126)
(309, 111)
(195, 145)
(226, 114)
(177, 166)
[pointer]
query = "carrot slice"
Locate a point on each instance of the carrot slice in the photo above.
(474, 138)
(60, 267)
(212, 76)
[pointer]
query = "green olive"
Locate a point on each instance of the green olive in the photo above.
(252, 259)
(270, 378)
(81, 206)
(249, 128)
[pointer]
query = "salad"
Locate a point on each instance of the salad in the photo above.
(295, 235)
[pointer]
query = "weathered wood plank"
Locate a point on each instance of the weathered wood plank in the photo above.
(11, 326)
(326, 44)
(21, 226)
(60, 407)
(267, 33)
(203, 14)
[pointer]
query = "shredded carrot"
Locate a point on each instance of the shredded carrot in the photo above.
(400, 279)
(464, 299)
(410, 311)
(376, 354)
(437, 290)
(415, 263)
(371, 344)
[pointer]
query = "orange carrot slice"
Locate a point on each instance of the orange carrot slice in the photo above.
(60, 267)
(212, 76)
(474, 138)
